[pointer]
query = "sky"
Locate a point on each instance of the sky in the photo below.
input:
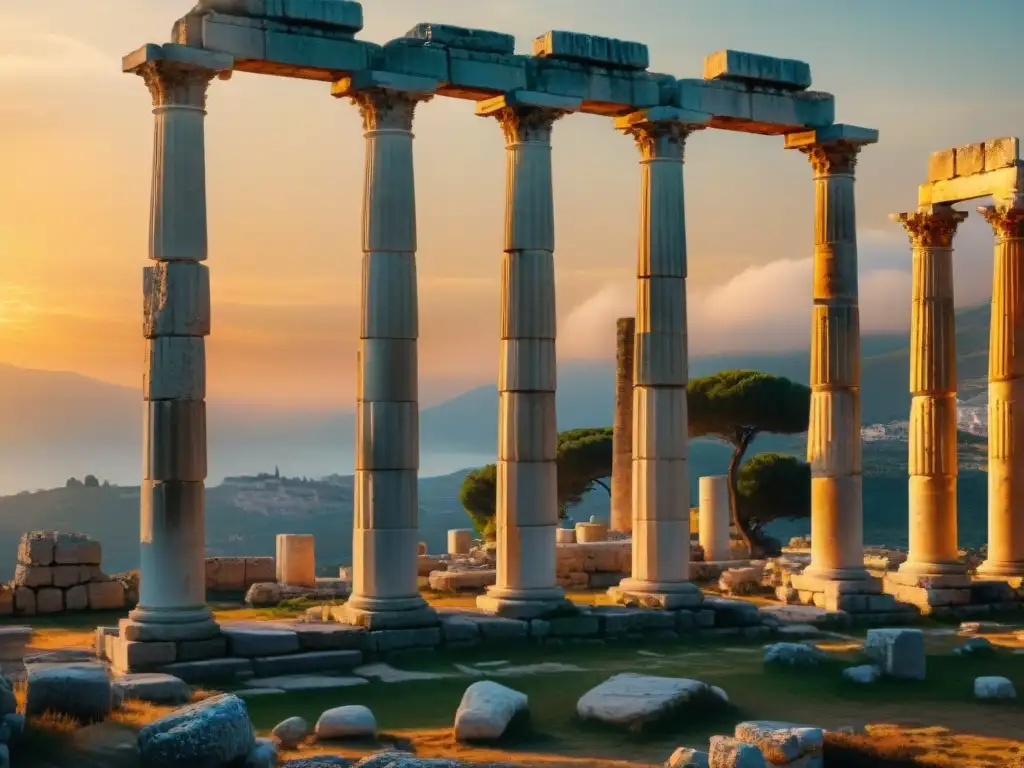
(285, 167)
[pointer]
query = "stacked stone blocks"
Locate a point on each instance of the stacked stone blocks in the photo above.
(60, 572)
(237, 574)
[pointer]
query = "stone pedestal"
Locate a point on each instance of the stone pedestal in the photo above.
(385, 591)
(591, 532)
(661, 487)
(622, 427)
(460, 541)
(1005, 391)
(714, 517)
(296, 560)
(565, 536)
(933, 381)
(172, 596)
(833, 437)
(527, 486)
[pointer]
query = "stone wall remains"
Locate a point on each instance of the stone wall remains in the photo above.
(60, 572)
(237, 574)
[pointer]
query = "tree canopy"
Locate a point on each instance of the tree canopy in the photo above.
(584, 459)
(773, 486)
(735, 407)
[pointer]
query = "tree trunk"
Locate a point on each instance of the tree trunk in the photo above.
(740, 448)
(622, 429)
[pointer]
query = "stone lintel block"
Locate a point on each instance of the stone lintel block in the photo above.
(478, 75)
(446, 35)
(592, 49)
(527, 493)
(660, 423)
(409, 56)
(718, 98)
(942, 165)
(1002, 153)
(527, 365)
(662, 115)
(302, 56)
(1003, 184)
(342, 14)
(384, 562)
(387, 371)
(387, 435)
(603, 90)
(831, 134)
(174, 440)
(176, 299)
(183, 55)
(660, 359)
(524, 98)
(970, 159)
(756, 68)
(386, 499)
(175, 368)
(661, 492)
(528, 294)
(526, 426)
(366, 80)
(526, 556)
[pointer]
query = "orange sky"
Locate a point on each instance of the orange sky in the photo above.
(285, 184)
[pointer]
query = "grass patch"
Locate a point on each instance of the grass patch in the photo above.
(848, 751)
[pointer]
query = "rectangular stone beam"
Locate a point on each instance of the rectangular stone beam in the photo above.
(388, 81)
(749, 108)
(592, 49)
(969, 159)
(1004, 184)
(838, 132)
(344, 15)
(756, 69)
(179, 54)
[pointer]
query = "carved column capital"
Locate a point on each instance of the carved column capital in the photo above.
(1007, 221)
(661, 139)
(383, 109)
(528, 124)
(838, 157)
(173, 84)
(931, 229)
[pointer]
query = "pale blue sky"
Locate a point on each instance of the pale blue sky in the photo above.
(285, 181)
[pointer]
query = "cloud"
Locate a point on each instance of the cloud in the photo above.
(768, 307)
(27, 50)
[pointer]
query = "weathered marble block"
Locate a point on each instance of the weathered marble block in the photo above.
(740, 66)
(592, 49)
(176, 299)
(36, 548)
(346, 14)
(175, 368)
(482, 40)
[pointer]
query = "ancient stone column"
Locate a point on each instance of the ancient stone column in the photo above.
(527, 485)
(714, 517)
(833, 437)
(661, 484)
(385, 592)
(296, 559)
(1005, 394)
(933, 411)
(176, 318)
(622, 427)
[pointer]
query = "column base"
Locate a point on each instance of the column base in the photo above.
(651, 594)
(156, 625)
(525, 603)
(946, 568)
(856, 573)
(377, 613)
(1005, 569)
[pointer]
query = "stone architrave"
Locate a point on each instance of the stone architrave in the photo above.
(385, 590)
(933, 412)
(172, 592)
(1006, 394)
(833, 436)
(622, 427)
(661, 485)
(527, 486)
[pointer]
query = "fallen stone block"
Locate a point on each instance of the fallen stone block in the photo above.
(899, 652)
(684, 757)
(214, 731)
(290, 733)
(486, 710)
(152, 687)
(633, 701)
(80, 691)
(994, 688)
(793, 655)
(728, 752)
(863, 674)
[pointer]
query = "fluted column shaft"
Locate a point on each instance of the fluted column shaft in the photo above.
(386, 522)
(933, 384)
(833, 437)
(661, 483)
(1005, 395)
(527, 481)
(176, 320)
(622, 427)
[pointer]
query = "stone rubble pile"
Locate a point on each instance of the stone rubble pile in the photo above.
(60, 572)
